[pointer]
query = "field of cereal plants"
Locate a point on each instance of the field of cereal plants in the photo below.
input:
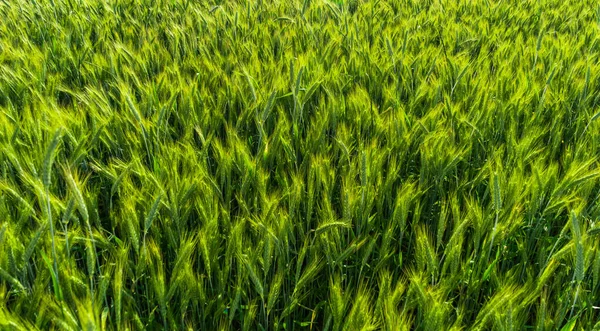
(299, 165)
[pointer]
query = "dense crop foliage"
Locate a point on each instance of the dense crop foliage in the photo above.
(293, 165)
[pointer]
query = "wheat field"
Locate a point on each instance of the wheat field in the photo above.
(299, 165)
